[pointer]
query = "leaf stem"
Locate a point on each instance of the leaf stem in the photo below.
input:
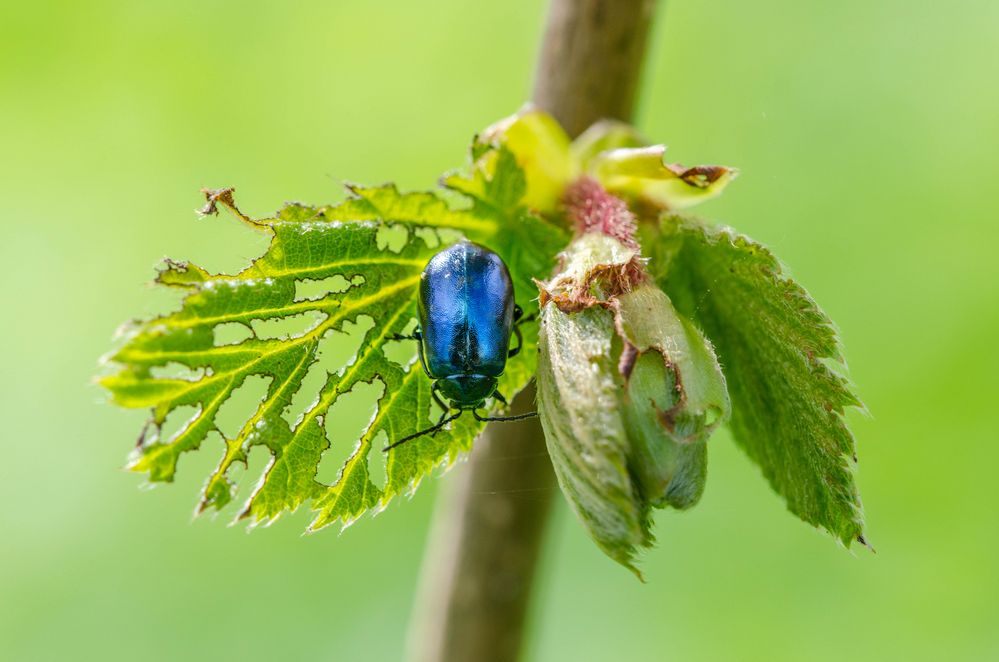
(484, 545)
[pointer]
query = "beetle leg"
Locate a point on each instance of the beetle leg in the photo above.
(517, 417)
(440, 422)
(499, 396)
(423, 359)
(418, 337)
(520, 342)
(433, 429)
(415, 335)
(435, 394)
(518, 319)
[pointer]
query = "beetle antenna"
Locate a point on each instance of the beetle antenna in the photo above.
(433, 428)
(518, 417)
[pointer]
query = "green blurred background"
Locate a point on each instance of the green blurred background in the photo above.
(867, 136)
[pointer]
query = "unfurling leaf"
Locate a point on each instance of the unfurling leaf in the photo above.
(326, 269)
(610, 152)
(579, 401)
(642, 174)
(778, 349)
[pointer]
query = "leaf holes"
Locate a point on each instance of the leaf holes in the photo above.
(378, 461)
(337, 349)
(429, 236)
(341, 348)
(242, 403)
(448, 236)
(403, 352)
(308, 289)
(174, 424)
(246, 479)
(175, 370)
(393, 237)
(231, 333)
(284, 328)
(345, 422)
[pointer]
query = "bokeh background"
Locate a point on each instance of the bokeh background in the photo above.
(867, 136)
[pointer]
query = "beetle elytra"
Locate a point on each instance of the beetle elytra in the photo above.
(467, 316)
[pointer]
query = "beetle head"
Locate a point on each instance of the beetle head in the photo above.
(467, 391)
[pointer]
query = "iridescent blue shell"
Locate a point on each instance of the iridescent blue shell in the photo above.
(466, 317)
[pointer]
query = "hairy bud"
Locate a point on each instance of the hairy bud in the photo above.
(628, 390)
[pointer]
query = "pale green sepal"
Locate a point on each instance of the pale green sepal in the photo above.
(579, 406)
(674, 397)
(649, 321)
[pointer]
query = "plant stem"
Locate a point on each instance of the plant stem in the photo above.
(484, 545)
(591, 60)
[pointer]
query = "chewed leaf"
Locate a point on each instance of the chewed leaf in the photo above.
(778, 349)
(643, 175)
(274, 326)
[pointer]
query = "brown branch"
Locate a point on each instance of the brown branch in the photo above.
(484, 545)
(591, 60)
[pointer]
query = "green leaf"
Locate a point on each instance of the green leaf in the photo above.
(779, 352)
(365, 257)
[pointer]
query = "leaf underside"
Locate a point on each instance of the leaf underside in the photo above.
(327, 270)
(779, 352)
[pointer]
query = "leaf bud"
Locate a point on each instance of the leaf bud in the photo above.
(628, 389)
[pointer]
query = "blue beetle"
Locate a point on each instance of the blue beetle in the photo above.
(467, 315)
